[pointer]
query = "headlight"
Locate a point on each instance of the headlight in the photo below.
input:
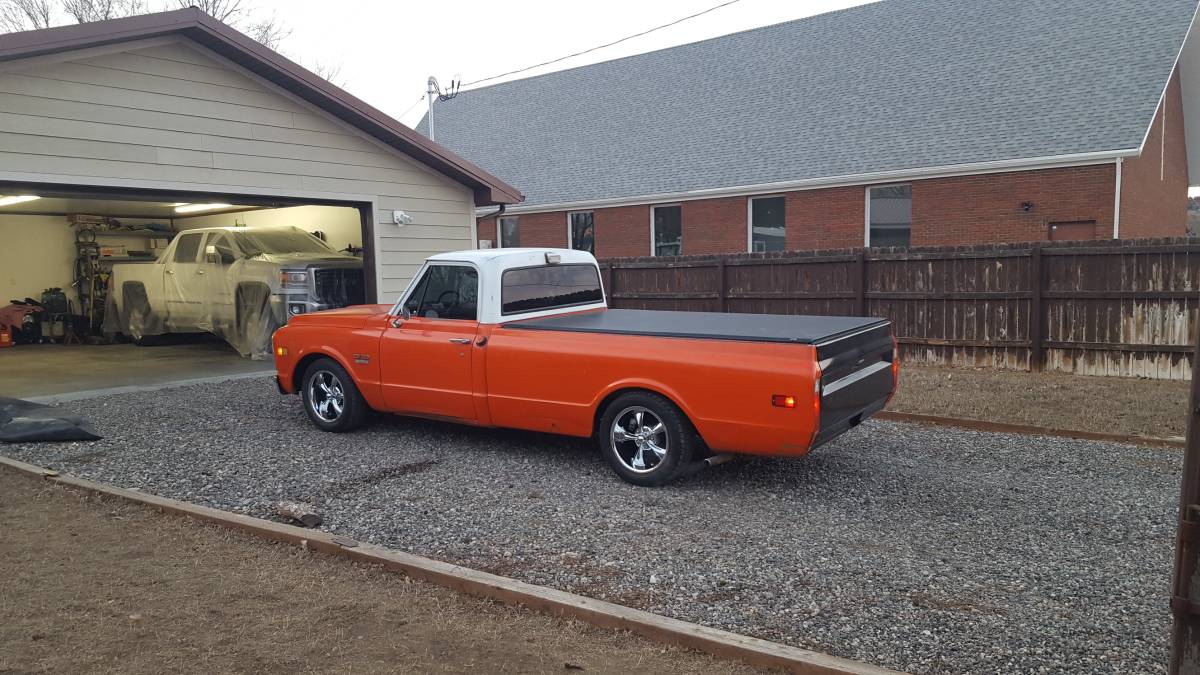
(292, 279)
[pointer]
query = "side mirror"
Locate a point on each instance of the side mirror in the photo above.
(211, 255)
(405, 313)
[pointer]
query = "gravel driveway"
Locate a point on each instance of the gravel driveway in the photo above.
(921, 549)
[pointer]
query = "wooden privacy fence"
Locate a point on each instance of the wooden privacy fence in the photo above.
(1114, 307)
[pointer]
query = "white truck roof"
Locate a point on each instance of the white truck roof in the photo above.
(491, 264)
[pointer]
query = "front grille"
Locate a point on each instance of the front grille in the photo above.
(339, 287)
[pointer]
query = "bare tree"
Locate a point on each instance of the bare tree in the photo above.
(268, 31)
(329, 71)
(225, 11)
(18, 15)
(86, 11)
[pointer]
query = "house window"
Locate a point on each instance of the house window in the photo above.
(889, 215)
(766, 224)
(581, 232)
(667, 229)
(507, 233)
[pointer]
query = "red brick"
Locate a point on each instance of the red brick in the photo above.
(1154, 186)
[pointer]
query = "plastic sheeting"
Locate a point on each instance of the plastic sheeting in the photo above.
(27, 422)
(238, 283)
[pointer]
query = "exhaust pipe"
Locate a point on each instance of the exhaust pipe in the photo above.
(707, 462)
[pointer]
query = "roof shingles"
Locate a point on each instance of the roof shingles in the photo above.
(899, 84)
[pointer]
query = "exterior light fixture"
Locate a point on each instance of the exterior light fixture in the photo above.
(17, 199)
(194, 208)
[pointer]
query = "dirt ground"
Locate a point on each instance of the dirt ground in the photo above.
(1118, 405)
(93, 585)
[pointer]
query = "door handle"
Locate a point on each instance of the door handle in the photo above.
(199, 271)
(461, 341)
(170, 271)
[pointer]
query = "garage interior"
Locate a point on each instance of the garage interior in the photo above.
(64, 244)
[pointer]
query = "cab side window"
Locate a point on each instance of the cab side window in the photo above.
(446, 292)
(187, 248)
(226, 254)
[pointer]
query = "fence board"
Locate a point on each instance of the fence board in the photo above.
(1098, 308)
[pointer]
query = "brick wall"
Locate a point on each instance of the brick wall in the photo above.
(955, 211)
(1154, 186)
(987, 208)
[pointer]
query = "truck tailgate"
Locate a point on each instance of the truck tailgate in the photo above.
(857, 378)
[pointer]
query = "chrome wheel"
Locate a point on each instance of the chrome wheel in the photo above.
(639, 439)
(326, 396)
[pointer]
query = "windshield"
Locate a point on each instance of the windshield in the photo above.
(285, 240)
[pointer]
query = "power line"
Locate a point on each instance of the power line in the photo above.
(614, 42)
(410, 108)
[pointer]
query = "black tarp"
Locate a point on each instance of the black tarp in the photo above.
(28, 422)
(707, 325)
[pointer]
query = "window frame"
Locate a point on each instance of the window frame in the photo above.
(500, 231)
(750, 219)
(594, 268)
(667, 205)
(867, 210)
(397, 309)
(571, 231)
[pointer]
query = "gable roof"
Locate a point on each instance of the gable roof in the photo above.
(885, 91)
(270, 65)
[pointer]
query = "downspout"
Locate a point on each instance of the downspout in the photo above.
(1117, 202)
(496, 214)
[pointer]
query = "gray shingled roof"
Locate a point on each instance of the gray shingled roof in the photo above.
(890, 86)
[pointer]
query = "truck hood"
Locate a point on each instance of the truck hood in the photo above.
(346, 317)
(304, 259)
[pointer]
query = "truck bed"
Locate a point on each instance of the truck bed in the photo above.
(810, 330)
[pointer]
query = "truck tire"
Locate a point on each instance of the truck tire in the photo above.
(136, 315)
(255, 321)
(646, 439)
(330, 398)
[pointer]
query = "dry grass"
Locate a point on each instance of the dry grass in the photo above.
(94, 585)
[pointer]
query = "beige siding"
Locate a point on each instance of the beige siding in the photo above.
(174, 116)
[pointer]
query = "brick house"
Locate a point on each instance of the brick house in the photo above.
(903, 122)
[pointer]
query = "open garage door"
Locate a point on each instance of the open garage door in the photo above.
(98, 266)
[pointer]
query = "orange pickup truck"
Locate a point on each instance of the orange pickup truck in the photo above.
(523, 338)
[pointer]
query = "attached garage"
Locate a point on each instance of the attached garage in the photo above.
(165, 122)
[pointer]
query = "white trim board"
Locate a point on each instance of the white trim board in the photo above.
(903, 176)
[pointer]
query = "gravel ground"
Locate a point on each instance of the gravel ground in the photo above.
(921, 549)
(1116, 405)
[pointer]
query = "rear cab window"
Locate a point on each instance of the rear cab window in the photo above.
(533, 289)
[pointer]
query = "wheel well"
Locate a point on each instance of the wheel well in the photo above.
(612, 396)
(240, 291)
(303, 364)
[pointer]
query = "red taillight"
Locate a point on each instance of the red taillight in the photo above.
(783, 401)
(816, 419)
(895, 368)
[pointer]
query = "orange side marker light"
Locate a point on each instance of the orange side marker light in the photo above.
(783, 401)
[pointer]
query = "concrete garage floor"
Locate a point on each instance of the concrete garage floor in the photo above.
(62, 372)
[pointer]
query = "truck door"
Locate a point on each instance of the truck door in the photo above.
(426, 360)
(183, 283)
(219, 257)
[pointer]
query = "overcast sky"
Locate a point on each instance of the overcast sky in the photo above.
(388, 49)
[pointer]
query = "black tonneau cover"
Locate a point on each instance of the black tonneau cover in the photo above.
(708, 325)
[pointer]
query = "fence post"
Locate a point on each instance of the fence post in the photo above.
(608, 282)
(1035, 309)
(1185, 633)
(860, 283)
(722, 294)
